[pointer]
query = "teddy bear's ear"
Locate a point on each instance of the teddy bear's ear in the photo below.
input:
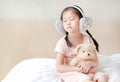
(91, 46)
(78, 47)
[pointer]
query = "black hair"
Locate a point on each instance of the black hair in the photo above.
(94, 41)
(80, 16)
(74, 9)
(67, 40)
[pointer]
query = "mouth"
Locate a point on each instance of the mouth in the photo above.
(69, 27)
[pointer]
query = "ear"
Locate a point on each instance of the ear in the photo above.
(91, 46)
(78, 47)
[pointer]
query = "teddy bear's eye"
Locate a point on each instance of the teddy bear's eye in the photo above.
(83, 51)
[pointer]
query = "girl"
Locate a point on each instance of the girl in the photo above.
(74, 25)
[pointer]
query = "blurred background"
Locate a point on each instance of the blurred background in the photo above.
(27, 28)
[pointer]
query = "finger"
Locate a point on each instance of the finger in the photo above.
(80, 69)
(83, 70)
(78, 64)
(86, 71)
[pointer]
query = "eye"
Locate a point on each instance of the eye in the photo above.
(64, 21)
(83, 51)
(71, 19)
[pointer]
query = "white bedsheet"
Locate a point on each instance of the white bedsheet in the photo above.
(44, 70)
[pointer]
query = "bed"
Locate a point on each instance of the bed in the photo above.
(44, 70)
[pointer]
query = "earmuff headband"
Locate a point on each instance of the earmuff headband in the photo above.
(79, 9)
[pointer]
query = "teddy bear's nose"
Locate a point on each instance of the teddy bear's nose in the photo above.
(88, 54)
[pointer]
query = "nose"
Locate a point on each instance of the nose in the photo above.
(88, 54)
(68, 22)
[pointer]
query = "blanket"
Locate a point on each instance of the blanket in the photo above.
(44, 69)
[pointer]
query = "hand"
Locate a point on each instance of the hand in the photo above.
(78, 69)
(84, 66)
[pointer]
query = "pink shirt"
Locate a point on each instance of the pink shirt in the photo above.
(69, 52)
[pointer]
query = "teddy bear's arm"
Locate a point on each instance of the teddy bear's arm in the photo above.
(74, 61)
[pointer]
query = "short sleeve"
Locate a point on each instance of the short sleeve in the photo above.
(60, 46)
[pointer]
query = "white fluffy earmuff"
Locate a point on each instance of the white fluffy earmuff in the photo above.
(85, 22)
(59, 27)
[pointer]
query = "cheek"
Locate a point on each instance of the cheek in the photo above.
(76, 24)
(64, 25)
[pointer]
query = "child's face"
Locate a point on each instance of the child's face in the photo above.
(70, 21)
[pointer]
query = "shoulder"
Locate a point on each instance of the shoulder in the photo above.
(61, 46)
(62, 40)
(88, 39)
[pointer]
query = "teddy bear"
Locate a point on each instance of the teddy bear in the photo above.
(85, 53)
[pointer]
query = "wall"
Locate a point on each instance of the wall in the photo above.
(21, 40)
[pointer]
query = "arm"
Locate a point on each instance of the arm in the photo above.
(61, 67)
(75, 61)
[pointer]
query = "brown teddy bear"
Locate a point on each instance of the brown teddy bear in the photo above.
(85, 53)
